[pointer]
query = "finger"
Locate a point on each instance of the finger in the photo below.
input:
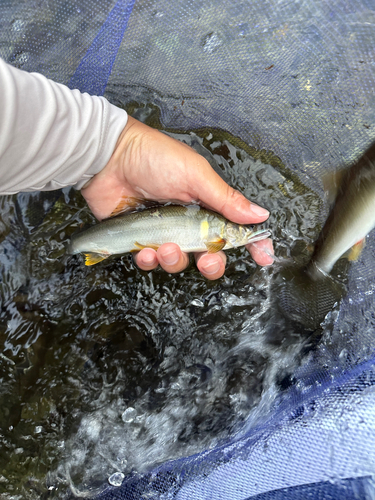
(171, 258)
(211, 265)
(215, 193)
(146, 259)
(262, 252)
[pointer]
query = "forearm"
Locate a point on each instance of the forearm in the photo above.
(50, 136)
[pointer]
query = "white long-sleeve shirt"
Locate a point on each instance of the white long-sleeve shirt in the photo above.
(51, 136)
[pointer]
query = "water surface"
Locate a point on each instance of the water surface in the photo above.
(109, 369)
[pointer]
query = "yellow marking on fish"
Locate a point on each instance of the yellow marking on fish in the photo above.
(204, 229)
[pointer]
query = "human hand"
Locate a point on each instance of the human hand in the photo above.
(149, 164)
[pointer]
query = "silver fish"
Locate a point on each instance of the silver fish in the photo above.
(193, 228)
(352, 216)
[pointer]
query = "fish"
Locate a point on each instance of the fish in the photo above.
(193, 228)
(304, 295)
(352, 217)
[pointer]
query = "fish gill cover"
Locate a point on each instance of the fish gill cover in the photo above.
(111, 370)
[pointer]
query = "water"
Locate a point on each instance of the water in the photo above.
(108, 369)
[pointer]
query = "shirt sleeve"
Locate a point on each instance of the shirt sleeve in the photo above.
(51, 136)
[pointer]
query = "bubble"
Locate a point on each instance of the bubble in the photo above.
(116, 479)
(197, 303)
(129, 415)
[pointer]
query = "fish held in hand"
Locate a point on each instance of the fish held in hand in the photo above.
(192, 227)
(351, 218)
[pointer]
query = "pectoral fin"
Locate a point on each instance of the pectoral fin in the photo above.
(139, 246)
(214, 246)
(94, 258)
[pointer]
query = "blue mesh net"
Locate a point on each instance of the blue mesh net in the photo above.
(317, 443)
(296, 78)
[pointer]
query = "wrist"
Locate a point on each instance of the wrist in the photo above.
(106, 188)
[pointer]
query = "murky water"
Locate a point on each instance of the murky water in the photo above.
(108, 369)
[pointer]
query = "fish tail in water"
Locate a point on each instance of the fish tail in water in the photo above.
(304, 298)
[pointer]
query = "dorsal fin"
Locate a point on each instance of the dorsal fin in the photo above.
(129, 204)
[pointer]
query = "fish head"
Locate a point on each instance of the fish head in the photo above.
(237, 235)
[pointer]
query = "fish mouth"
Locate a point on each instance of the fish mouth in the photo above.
(260, 234)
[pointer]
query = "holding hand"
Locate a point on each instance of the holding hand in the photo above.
(149, 164)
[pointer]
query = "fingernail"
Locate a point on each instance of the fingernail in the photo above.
(212, 267)
(170, 258)
(259, 211)
(149, 259)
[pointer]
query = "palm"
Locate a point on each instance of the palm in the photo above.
(149, 164)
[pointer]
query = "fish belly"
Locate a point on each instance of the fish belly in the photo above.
(351, 229)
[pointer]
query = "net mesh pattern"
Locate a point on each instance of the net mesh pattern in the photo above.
(318, 444)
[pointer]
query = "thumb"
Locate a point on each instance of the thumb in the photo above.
(216, 194)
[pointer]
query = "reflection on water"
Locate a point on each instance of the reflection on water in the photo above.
(107, 369)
